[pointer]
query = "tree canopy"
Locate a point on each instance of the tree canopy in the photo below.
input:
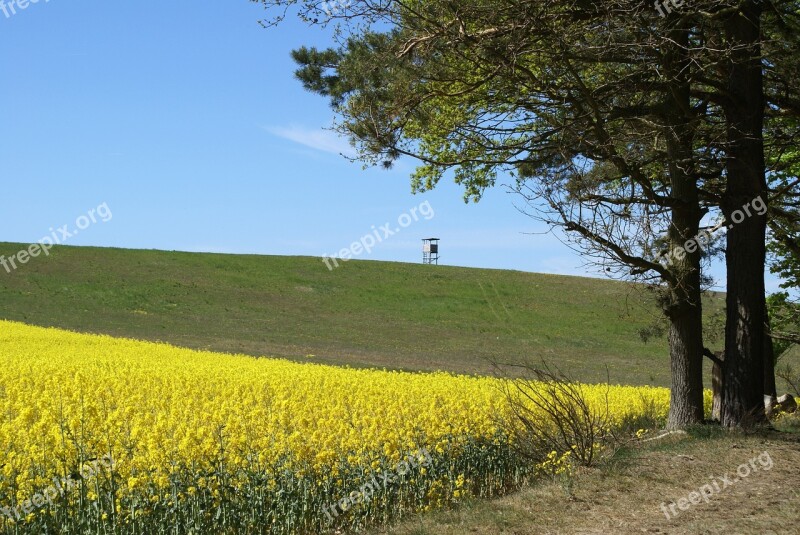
(627, 127)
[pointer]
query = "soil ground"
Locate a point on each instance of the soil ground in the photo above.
(625, 495)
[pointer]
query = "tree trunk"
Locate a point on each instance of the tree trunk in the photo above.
(770, 388)
(716, 388)
(743, 384)
(686, 363)
(683, 306)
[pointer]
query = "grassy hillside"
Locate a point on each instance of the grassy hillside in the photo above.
(403, 316)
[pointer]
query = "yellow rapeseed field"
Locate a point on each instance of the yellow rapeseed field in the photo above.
(240, 443)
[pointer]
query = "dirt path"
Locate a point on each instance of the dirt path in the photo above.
(643, 491)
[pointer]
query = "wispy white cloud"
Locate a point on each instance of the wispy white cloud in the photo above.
(315, 138)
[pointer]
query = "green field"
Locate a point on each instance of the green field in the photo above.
(381, 314)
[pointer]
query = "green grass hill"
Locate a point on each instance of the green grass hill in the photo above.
(365, 313)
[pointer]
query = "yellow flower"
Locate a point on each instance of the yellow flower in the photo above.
(167, 414)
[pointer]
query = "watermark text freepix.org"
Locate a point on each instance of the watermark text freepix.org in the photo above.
(58, 489)
(57, 237)
(677, 4)
(9, 8)
(367, 491)
(701, 241)
(379, 234)
(334, 7)
(717, 485)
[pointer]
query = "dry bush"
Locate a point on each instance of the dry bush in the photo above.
(548, 412)
(792, 377)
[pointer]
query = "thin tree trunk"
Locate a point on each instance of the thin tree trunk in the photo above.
(716, 388)
(743, 385)
(770, 388)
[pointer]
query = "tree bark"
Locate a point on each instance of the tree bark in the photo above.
(770, 388)
(743, 384)
(716, 389)
(683, 307)
(686, 365)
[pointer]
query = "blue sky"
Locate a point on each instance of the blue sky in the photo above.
(184, 117)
